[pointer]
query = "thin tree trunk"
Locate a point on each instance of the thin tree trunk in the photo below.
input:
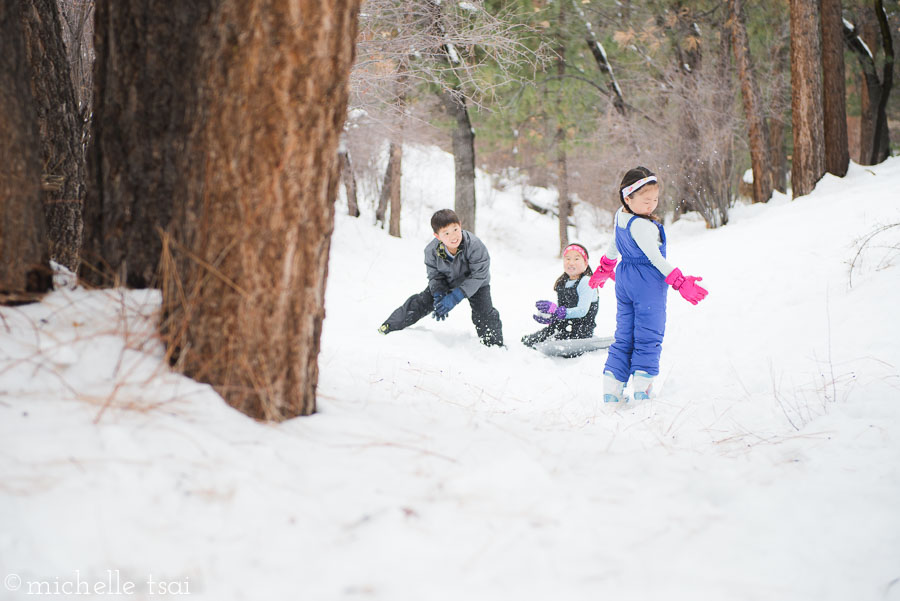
(861, 41)
(247, 260)
(777, 153)
(834, 93)
(882, 146)
(396, 166)
(348, 179)
(756, 123)
(463, 158)
(24, 268)
(808, 162)
(387, 187)
(60, 125)
(562, 174)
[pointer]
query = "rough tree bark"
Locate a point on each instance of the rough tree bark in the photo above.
(24, 265)
(756, 122)
(60, 128)
(808, 162)
(245, 282)
(139, 127)
(463, 158)
(834, 102)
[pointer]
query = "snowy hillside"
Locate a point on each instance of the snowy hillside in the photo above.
(767, 468)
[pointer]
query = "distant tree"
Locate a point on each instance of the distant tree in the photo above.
(808, 162)
(874, 132)
(61, 129)
(348, 177)
(834, 94)
(753, 110)
(24, 265)
(445, 48)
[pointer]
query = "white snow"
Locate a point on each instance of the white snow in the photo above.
(768, 467)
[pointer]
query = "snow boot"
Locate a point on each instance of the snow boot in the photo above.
(613, 390)
(642, 382)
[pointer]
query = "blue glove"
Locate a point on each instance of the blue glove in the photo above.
(437, 298)
(445, 305)
(553, 312)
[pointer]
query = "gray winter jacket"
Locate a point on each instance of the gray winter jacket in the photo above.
(469, 270)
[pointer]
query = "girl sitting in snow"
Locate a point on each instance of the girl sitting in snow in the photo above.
(640, 288)
(573, 313)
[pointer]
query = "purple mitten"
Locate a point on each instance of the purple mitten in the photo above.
(603, 273)
(550, 308)
(541, 319)
(687, 286)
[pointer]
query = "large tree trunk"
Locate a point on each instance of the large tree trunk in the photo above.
(463, 158)
(834, 101)
(140, 123)
(756, 123)
(245, 289)
(808, 162)
(23, 249)
(61, 130)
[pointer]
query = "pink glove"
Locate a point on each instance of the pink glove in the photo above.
(603, 273)
(690, 291)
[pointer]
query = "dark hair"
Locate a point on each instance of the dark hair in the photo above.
(632, 176)
(442, 219)
(565, 276)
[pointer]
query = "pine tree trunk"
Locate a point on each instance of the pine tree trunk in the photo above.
(777, 153)
(245, 283)
(396, 166)
(808, 162)
(140, 124)
(61, 130)
(759, 134)
(834, 102)
(24, 268)
(463, 158)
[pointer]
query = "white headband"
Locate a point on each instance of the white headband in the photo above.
(629, 190)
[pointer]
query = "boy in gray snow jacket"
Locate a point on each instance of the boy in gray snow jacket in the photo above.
(458, 267)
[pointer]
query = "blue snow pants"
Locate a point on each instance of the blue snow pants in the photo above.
(641, 309)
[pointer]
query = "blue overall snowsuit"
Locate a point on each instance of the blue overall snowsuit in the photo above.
(641, 308)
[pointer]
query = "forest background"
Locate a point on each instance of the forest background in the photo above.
(139, 140)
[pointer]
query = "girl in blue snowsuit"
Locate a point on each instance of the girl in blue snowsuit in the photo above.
(642, 282)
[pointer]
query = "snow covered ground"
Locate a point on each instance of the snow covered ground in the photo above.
(767, 468)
